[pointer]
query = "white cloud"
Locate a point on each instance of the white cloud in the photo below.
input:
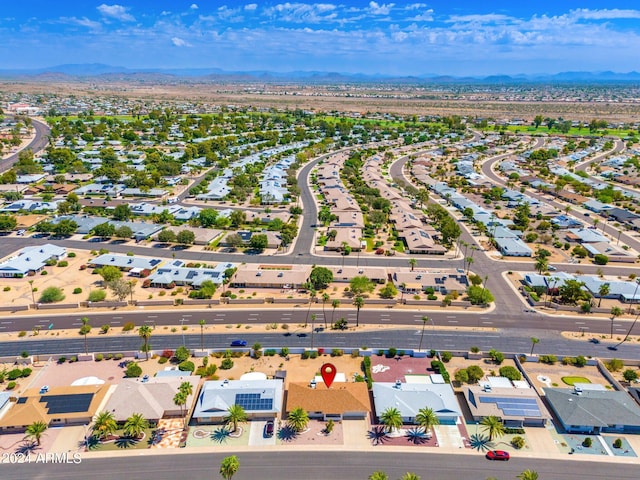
(83, 22)
(116, 11)
(251, 7)
(426, 16)
(377, 9)
(415, 6)
(302, 12)
(604, 14)
(179, 42)
(194, 6)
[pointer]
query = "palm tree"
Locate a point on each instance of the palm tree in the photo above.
(313, 327)
(325, 299)
(298, 419)
(135, 425)
(493, 426)
(145, 333)
(84, 330)
(235, 415)
(534, 341)
(392, 419)
(36, 430)
(104, 425)
(335, 304)
(229, 467)
(603, 291)
(469, 261)
(424, 324)
(427, 418)
(410, 476)
(378, 475)
(180, 400)
(359, 303)
(186, 388)
(615, 312)
(541, 265)
(202, 323)
(312, 294)
(413, 262)
(528, 475)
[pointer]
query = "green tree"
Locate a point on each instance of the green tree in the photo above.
(186, 237)
(84, 330)
(7, 223)
(325, 299)
(615, 312)
(105, 230)
(427, 418)
(412, 263)
(479, 295)
(144, 332)
(361, 284)
(235, 415)
(391, 418)
(133, 370)
(461, 376)
(122, 212)
(36, 430)
(603, 291)
(534, 342)
(202, 323)
(541, 265)
(64, 228)
(259, 242)
(237, 218)
(123, 232)
(410, 476)
(229, 467)
(135, 425)
(378, 475)
(359, 303)
(320, 277)
(537, 121)
(389, 290)
(298, 419)
(571, 292)
(493, 426)
(109, 273)
(474, 373)
(104, 425)
(166, 236)
(121, 288)
(207, 217)
(630, 375)
(521, 216)
(510, 372)
(335, 303)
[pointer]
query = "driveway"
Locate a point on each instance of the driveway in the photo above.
(256, 434)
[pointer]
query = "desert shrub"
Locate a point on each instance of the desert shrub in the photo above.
(475, 373)
(14, 374)
(474, 349)
(133, 370)
(26, 372)
(337, 352)
(614, 365)
(186, 366)
(62, 359)
(496, 356)
(587, 442)
(270, 352)
(6, 289)
(617, 443)
(99, 357)
(118, 356)
(11, 385)
(77, 291)
(162, 360)
(127, 327)
(510, 372)
(446, 356)
(105, 328)
(517, 442)
(22, 334)
(549, 359)
(630, 375)
(97, 295)
(226, 364)
(580, 361)
(181, 354)
(51, 295)
(63, 263)
(392, 352)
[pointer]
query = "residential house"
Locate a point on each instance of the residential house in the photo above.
(31, 260)
(343, 401)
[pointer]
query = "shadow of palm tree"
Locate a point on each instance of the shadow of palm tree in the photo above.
(126, 442)
(93, 442)
(287, 434)
(156, 437)
(417, 436)
(27, 447)
(481, 443)
(220, 435)
(377, 435)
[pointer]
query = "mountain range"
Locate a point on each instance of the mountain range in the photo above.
(110, 72)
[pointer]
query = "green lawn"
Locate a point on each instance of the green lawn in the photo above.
(573, 380)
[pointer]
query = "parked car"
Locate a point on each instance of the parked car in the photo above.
(269, 428)
(551, 268)
(44, 389)
(594, 340)
(497, 455)
(239, 343)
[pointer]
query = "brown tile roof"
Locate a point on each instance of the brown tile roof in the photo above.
(341, 398)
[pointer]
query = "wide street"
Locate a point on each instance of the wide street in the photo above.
(330, 465)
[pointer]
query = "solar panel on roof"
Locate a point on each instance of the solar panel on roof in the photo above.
(253, 401)
(67, 403)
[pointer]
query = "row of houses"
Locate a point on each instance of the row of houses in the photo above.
(624, 291)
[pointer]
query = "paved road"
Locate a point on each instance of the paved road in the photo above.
(39, 142)
(294, 465)
(514, 340)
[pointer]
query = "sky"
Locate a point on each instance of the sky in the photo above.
(466, 37)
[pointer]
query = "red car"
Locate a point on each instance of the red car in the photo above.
(498, 455)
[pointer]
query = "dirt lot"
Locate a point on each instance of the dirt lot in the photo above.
(544, 375)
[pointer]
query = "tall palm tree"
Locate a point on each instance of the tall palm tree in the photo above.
(298, 419)
(359, 303)
(104, 425)
(186, 388)
(542, 264)
(84, 330)
(534, 342)
(528, 475)
(36, 430)
(135, 425)
(425, 319)
(603, 291)
(180, 400)
(235, 415)
(335, 303)
(229, 467)
(313, 327)
(202, 323)
(145, 333)
(615, 312)
(325, 299)
(378, 475)
(391, 419)
(312, 294)
(427, 418)
(413, 262)
(493, 426)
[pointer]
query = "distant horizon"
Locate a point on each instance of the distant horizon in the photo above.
(464, 38)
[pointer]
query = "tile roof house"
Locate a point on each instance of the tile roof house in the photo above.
(343, 401)
(594, 411)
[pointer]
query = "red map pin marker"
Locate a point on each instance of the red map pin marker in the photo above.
(328, 372)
